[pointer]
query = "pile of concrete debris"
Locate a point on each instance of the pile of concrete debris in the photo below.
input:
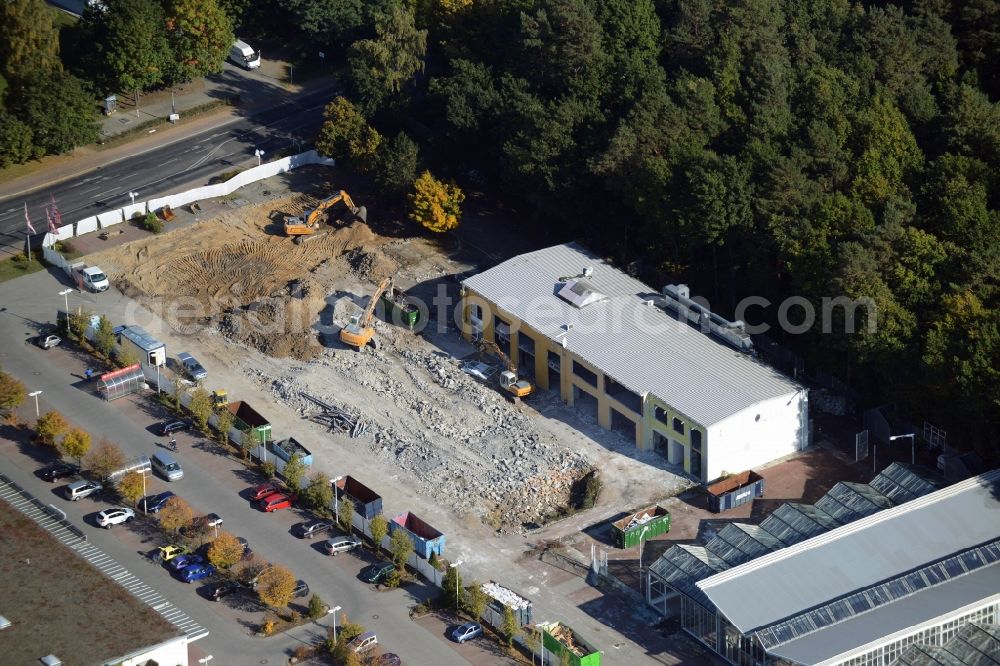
(464, 442)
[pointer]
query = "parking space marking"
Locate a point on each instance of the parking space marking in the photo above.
(69, 535)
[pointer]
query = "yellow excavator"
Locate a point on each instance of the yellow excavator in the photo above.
(359, 332)
(517, 388)
(300, 227)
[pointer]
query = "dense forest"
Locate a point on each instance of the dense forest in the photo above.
(816, 148)
(774, 148)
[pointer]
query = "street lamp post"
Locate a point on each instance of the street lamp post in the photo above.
(336, 500)
(641, 544)
(65, 294)
(455, 565)
(35, 394)
(133, 195)
(145, 511)
(913, 445)
(333, 611)
(258, 153)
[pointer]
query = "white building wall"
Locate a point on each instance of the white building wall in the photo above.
(169, 653)
(757, 435)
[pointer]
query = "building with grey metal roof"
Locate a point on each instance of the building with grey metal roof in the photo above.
(630, 355)
(855, 579)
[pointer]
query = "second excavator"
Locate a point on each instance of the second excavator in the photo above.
(517, 388)
(360, 332)
(300, 227)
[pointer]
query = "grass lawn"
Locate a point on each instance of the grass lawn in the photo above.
(11, 269)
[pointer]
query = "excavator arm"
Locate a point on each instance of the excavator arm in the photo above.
(366, 318)
(488, 347)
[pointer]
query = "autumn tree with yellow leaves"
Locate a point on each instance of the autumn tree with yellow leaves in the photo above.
(435, 204)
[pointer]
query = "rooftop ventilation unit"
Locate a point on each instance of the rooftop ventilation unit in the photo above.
(580, 294)
(733, 333)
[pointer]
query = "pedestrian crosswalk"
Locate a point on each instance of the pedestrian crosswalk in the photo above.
(53, 520)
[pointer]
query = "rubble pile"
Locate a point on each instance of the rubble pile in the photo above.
(462, 441)
(505, 596)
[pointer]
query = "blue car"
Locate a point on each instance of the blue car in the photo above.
(184, 561)
(154, 503)
(196, 572)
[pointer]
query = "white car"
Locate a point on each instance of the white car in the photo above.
(115, 516)
(341, 544)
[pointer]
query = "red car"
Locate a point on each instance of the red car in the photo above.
(265, 489)
(277, 501)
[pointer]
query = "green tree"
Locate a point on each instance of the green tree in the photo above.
(401, 547)
(396, 164)
(476, 600)
(225, 551)
(75, 444)
(135, 52)
(345, 135)
(105, 458)
(319, 492)
(509, 628)
(130, 487)
(200, 407)
(200, 35)
(79, 322)
(15, 141)
(380, 67)
(104, 336)
(346, 512)
(31, 42)
(890, 155)
(317, 608)
(12, 393)
(436, 205)
(276, 586)
(294, 472)
(58, 109)
(451, 586)
(50, 425)
(321, 23)
(379, 527)
(224, 424)
(125, 357)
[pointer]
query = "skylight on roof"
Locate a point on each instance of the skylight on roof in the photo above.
(580, 293)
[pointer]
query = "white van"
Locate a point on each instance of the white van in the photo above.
(243, 55)
(165, 465)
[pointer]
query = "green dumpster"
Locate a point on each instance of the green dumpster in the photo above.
(633, 529)
(560, 639)
(400, 311)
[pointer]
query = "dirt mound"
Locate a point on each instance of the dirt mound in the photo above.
(371, 265)
(240, 273)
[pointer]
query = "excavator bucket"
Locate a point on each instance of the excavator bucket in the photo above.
(361, 214)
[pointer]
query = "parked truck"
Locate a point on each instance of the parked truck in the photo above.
(89, 277)
(246, 419)
(426, 539)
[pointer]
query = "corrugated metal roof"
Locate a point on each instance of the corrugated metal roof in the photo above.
(858, 555)
(641, 346)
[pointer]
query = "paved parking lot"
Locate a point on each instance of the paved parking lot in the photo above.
(212, 483)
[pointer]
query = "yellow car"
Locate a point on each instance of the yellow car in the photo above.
(168, 553)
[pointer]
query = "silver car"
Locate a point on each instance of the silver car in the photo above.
(339, 545)
(192, 367)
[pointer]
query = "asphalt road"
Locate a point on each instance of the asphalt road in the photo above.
(190, 160)
(211, 483)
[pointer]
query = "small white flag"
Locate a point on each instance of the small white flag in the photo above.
(28, 219)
